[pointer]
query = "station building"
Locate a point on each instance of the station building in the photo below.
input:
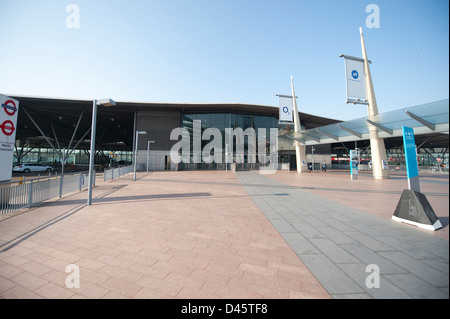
(53, 130)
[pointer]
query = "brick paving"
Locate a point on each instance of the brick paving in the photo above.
(222, 235)
(166, 235)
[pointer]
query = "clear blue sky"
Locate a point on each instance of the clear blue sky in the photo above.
(241, 51)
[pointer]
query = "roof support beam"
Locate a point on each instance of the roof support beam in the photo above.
(350, 131)
(56, 138)
(311, 137)
(422, 144)
(428, 124)
(79, 141)
(39, 129)
(381, 127)
(295, 138)
(75, 130)
(327, 134)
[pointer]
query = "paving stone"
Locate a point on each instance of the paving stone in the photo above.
(333, 251)
(283, 226)
(368, 241)
(333, 279)
(416, 267)
(335, 235)
(416, 287)
(368, 257)
(386, 290)
(300, 244)
(307, 230)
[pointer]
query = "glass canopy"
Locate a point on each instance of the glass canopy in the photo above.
(425, 118)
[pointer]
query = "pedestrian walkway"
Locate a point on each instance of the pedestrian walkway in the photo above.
(166, 235)
(222, 235)
(341, 245)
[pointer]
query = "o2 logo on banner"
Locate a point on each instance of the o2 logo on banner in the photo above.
(285, 106)
(355, 74)
(8, 123)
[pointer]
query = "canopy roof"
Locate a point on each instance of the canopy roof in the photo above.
(424, 119)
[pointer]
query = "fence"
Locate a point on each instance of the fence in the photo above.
(25, 194)
(398, 168)
(116, 172)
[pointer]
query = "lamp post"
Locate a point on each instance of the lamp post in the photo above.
(148, 151)
(136, 150)
(106, 103)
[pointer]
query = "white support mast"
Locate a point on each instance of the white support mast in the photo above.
(377, 146)
(300, 150)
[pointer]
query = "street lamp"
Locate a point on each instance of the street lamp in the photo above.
(106, 103)
(136, 150)
(312, 156)
(148, 151)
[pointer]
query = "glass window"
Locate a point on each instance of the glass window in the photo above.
(206, 120)
(218, 119)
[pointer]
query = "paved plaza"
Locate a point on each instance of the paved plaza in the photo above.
(223, 235)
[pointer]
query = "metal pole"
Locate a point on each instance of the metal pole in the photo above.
(92, 152)
(135, 155)
(148, 152)
(300, 150)
(61, 181)
(226, 157)
(377, 146)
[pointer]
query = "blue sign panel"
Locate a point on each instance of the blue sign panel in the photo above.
(409, 143)
(354, 164)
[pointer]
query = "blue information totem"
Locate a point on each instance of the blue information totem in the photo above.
(412, 168)
(354, 164)
(413, 207)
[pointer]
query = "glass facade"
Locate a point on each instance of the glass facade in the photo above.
(436, 158)
(221, 121)
(48, 156)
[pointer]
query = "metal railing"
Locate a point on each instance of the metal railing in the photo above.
(116, 172)
(397, 168)
(27, 193)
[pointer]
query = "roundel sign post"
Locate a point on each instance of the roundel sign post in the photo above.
(7, 127)
(10, 107)
(8, 124)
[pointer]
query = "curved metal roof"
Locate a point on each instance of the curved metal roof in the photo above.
(58, 118)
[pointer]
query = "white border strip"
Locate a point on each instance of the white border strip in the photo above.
(436, 225)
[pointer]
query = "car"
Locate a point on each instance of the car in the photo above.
(32, 167)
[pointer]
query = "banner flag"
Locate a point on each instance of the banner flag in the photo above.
(354, 76)
(286, 107)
